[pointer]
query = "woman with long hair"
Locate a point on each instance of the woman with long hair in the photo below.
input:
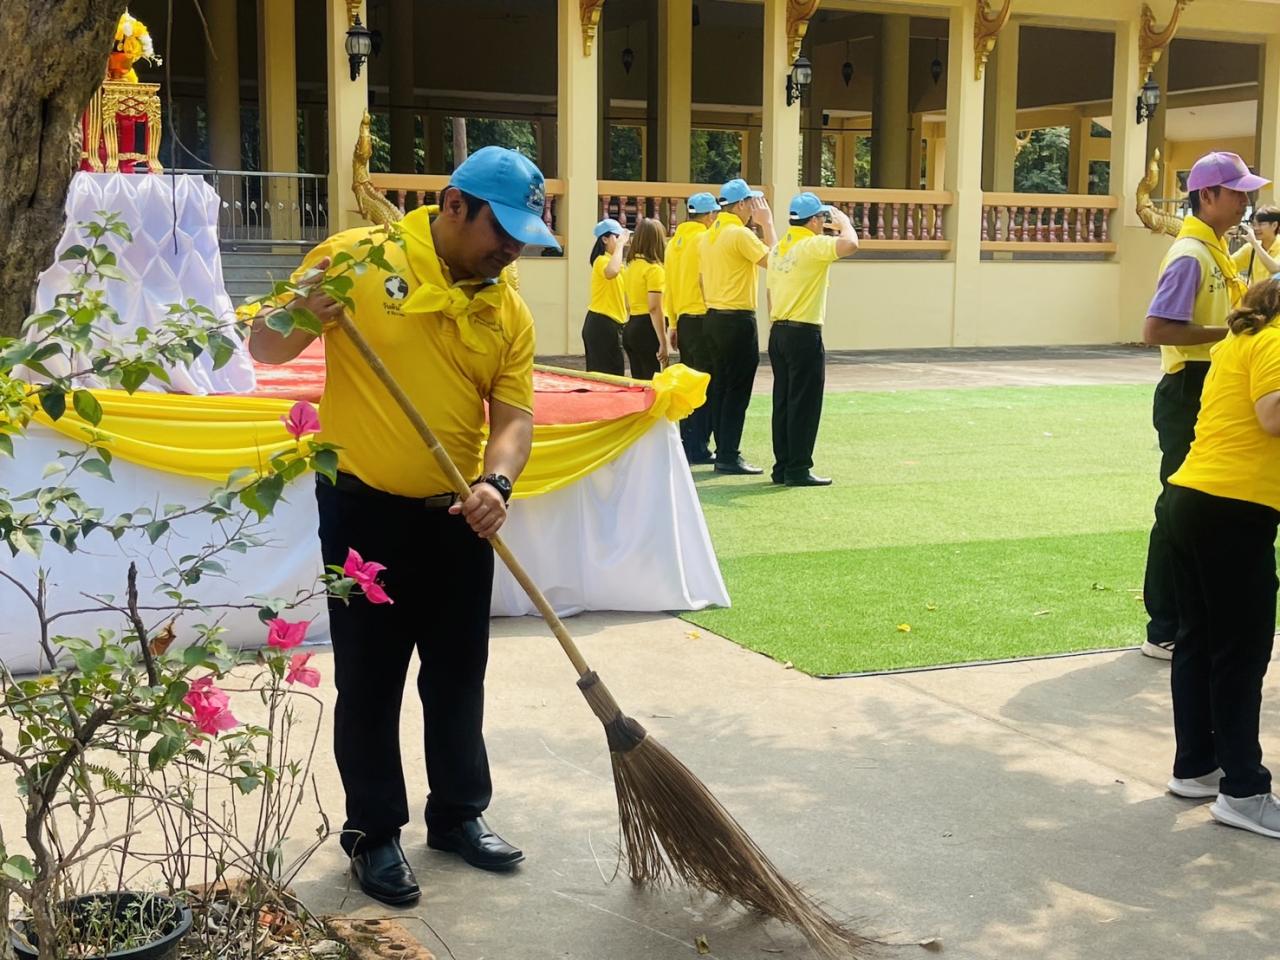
(645, 335)
(1224, 506)
(607, 309)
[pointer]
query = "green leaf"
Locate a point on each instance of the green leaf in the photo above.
(222, 349)
(74, 252)
(98, 468)
(19, 868)
(157, 529)
(133, 376)
(90, 660)
(325, 462)
(248, 784)
(87, 406)
(261, 497)
(54, 401)
(164, 750)
(281, 321)
(29, 540)
(6, 444)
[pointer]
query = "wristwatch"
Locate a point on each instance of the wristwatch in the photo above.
(499, 483)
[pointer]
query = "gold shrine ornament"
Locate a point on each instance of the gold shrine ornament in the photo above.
(590, 11)
(986, 27)
(1152, 42)
(799, 13)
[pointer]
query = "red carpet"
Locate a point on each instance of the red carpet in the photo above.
(557, 398)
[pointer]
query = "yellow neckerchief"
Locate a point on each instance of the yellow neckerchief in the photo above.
(723, 222)
(793, 236)
(435, 294)
(686, 230)
(1196, 229)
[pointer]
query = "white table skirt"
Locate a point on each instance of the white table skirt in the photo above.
(630, 536)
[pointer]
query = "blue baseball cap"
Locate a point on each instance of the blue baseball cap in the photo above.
(608, 225)
(806, 205)
(703, 203)
(736, 190)
(514, 187)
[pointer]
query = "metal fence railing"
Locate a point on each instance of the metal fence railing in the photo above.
(266, 207)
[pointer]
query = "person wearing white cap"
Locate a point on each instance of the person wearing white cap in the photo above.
(686, 311)
(607, 308)
(798, 275)
(731, 253)
(1199, 285)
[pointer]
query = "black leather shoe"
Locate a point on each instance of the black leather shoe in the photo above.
(384, 874)
(738, 468)
(475, 843)
(701, 460)
(809, 480)
(777, 478)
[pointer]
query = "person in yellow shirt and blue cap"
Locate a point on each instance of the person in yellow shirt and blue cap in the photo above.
(607, 312)
(687, 313)
(798, 276)
(457, 337)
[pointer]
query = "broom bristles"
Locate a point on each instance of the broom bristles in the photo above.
(673, 827)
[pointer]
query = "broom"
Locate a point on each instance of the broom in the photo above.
(672, 826)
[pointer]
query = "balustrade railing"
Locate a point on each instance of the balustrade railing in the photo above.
(1047, 223)
(266, 207)
(408, 191)
(628, 200)
(893, 220)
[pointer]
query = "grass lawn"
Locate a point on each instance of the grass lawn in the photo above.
(963, 525)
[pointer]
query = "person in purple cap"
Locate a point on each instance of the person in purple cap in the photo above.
(1199, 286)
(457, 337)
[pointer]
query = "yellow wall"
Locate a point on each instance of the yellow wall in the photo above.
(542, 284)
(1183, 155)
(887, 304)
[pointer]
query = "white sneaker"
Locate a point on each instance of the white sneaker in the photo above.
(1260, 814)
(1196, 788)
(1157, 651)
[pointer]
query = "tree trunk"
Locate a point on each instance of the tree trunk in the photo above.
(459, 141)
(55, 58)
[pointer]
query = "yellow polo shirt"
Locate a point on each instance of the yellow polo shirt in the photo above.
(1232, 456)
(1245, 254)
(643, 278)
(730, 253)
(798, 273)
(1213, 301)
(683, 263)
(447, 380)
(608, 295)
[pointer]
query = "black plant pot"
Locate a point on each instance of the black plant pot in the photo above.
(162, 948)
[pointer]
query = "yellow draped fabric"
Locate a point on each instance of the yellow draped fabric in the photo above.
(210, 437)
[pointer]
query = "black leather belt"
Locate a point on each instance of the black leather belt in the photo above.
(349, 483)
(797, 324)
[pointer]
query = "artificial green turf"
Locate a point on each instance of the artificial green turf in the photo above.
(996, 523)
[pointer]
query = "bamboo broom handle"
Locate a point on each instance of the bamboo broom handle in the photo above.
(463, 489)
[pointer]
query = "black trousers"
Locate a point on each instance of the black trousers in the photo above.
(1173, 412)
(696, 352)
(440, 576)
(735, 349)
(602, 338)
(799, 374)
(1224, 565)
(641, 343)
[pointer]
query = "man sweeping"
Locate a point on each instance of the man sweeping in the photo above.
(798, 276)
(455, 336)
(1199, 285)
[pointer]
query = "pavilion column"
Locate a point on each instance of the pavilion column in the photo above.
(222, 74)
(348, 100)
(401, 76)
(846, 159)
(1128, 138)
(433, 132)
(578, 145)
(1081, 141)
(890, 149)
(278, 126)
(1268, 150)
(675, 89)
(548, 148)
(1000, 149)
(811, 150)
(781, 128)
(915, 162)
(963, 176)
(1157, 138)
(753, 159)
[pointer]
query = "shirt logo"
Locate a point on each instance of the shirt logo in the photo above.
(396, 288)
(537, 198)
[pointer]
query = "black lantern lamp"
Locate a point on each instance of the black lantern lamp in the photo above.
(846, 68)
(799, 79)
(359, 46)
(1148, 100)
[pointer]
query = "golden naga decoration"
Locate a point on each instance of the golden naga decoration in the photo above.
(1152, 217)
(374, 206)
(986, 27)
(353, 11)
(590, 11)
(799, 13)
(1152, 42)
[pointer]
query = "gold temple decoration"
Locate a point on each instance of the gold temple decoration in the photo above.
(1152, 217)
(116, 98)
(986, 27)
(799, 12)
(590, 11)
(353, 11)
(1152, 43)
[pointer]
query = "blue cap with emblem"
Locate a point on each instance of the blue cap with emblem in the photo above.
(703, 203)
(736, 190)
(514, 187)
(607, 225)
(807, 205)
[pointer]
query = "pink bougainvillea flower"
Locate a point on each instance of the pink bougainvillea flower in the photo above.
(210, 706)
(365, 573)
(301, 419)
(299, 672)
(284, 634)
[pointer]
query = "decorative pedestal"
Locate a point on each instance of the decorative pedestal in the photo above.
(121, 118)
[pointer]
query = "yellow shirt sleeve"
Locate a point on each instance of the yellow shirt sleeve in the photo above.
(749, 245)
(822, 249)
(514, 383)
(657, 279)
(1264, 366)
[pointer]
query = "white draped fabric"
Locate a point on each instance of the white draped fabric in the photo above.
(174, 257)
(630, 536)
